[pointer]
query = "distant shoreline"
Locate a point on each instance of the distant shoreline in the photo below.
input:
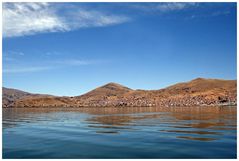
(84, 107)
(198, 92)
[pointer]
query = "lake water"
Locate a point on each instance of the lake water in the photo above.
(150, 132)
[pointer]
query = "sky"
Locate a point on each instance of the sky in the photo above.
(68, 49)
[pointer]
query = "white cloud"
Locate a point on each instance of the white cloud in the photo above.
(171, 6)
(21, 19)
(81, 18)
(165, 6)
(25, 69)
(218, 13)
(11, 55)
(15, 53)
(73, 62)
(175, 6)
(52, 53)
(18, 67)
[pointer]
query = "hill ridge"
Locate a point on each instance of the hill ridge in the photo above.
(199, 91)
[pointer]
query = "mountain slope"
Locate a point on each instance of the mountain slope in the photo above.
(199, 91)
(202, 91)
(10, 95)
(202, 85)
(110, 89)
(102, 95)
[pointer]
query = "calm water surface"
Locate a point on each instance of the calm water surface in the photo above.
(198, 132)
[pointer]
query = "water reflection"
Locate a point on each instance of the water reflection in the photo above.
(127, 110)
(107, 132)
(188, 128)
(111, 120)
(196, 138)
(178, 117)
(205, 124)
(192, 132)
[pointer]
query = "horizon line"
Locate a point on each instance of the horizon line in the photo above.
(121, 85)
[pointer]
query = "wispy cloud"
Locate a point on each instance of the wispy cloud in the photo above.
(185, 10)
(15, 53)
(81, 18)
(12, 55)
(18, 66)
(21, 19)
(25, 69)
(207, 15)
(164, 7)
(174, 6)
(74, 62)
(52, 53)
(218, 13)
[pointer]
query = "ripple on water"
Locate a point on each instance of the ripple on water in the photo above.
(120, 133)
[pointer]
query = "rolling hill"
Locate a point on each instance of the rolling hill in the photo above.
(199, 91)
(11, 95)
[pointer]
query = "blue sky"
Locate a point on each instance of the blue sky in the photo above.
(71, 48)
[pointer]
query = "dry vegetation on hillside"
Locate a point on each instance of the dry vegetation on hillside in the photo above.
(196, 92)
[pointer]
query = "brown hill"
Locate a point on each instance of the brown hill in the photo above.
(202, 85)
(99, 96)
(199, 91)
(202, 91)
(42, 101)
(10, 95)
(108, 90)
